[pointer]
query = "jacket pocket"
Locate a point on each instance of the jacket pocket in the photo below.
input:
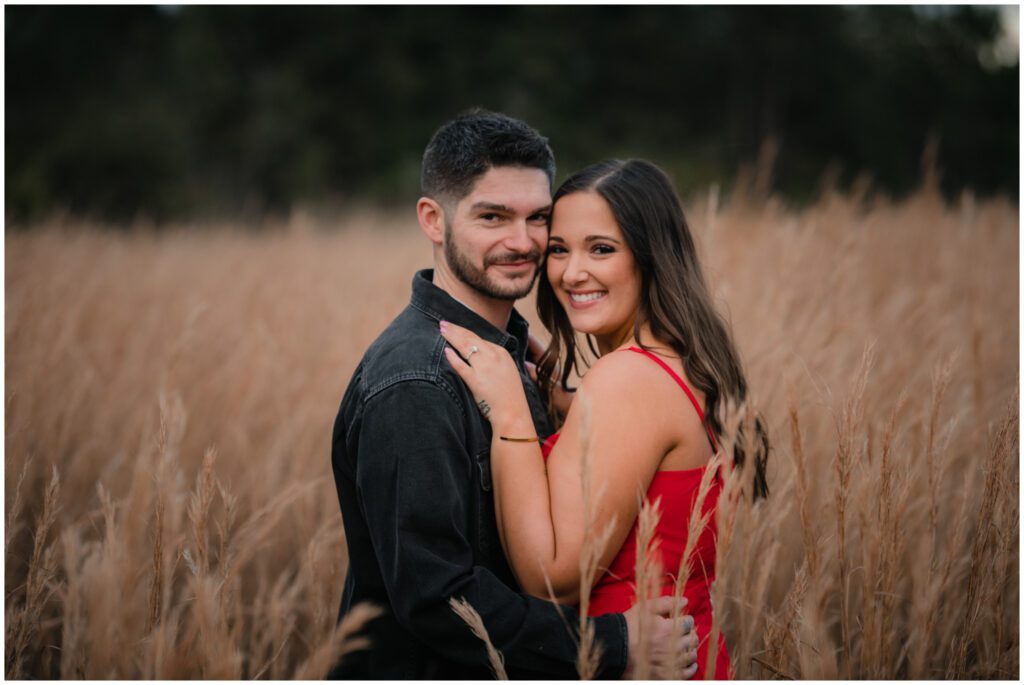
(483, 465)
(486, 538)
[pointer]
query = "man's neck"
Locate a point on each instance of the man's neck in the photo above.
(496, 312)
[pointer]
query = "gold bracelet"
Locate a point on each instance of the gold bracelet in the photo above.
(506, 439)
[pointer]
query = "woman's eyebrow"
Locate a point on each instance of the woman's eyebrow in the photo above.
(588, 239)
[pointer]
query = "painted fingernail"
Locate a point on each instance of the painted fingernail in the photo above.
(444, 326)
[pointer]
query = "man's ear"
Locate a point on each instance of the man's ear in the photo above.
(431, 216)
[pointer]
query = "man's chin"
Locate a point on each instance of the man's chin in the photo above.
(513, 288)
(510, 293)
(496, 285)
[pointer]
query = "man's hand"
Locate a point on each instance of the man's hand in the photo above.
(662, 650)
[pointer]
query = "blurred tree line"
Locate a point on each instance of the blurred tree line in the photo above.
(176, 112)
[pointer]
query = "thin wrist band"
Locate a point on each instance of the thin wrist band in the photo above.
(508, 439)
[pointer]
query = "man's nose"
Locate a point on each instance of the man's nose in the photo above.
(519, 239)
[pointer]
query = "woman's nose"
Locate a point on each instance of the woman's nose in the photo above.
(574, 273)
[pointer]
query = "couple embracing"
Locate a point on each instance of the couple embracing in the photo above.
(452, 479)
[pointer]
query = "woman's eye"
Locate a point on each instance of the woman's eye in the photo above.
(603, 249)
(556, 249)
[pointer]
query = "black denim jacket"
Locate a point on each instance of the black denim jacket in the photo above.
(411, 458)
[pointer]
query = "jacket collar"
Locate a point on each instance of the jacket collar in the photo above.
(437, 304)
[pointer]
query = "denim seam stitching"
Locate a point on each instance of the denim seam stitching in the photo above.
(433, 378)
(426, 310)
(393, 380)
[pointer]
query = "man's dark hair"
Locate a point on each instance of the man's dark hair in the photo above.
(464, 149)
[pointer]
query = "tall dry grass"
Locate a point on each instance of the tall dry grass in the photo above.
(169, 399)
(883, 349)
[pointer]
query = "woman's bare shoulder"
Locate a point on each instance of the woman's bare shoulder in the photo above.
(624, 376)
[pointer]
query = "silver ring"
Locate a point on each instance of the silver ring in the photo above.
(484, 408)
(472, 350)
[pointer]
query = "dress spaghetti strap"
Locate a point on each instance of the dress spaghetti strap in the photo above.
(686, 389)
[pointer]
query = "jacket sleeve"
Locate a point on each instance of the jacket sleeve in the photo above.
(413, 472)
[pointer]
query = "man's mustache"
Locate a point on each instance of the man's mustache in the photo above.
(513, 258)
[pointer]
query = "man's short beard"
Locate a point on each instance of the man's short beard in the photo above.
(477, 279)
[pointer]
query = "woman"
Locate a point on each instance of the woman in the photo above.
(622, 268)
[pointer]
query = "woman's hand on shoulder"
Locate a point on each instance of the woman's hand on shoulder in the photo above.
(488, 370)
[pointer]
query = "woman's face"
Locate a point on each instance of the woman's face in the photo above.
(592, 270)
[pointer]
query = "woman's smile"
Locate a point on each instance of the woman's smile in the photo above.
(592, 268)
(584, 299)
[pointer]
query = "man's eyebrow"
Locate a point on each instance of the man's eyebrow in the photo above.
(494, 207)
(489, 206)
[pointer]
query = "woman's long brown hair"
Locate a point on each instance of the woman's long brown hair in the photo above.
(674, 300)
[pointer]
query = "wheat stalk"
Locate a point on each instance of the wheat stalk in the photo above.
(588, 657)
(24, 621)
(472, 618)
(648, 573)
(984, 544)
(848, 451)
(696, 526)
(342, 640)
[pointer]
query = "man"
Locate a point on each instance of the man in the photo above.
(411, 449)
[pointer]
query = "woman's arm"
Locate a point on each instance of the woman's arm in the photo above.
(541, 514)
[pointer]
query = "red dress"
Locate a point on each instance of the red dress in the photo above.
(615, 591)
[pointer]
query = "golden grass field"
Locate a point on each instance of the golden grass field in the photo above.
(170, 511)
